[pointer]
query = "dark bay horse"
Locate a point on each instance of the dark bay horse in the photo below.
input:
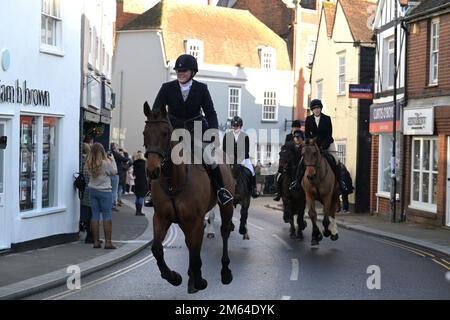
(294, 202)
(319, 183)
(182, 194)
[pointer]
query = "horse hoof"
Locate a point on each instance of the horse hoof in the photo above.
(210, 235)
(304, 225)
(232, 227)
(227, 277)
(201, 284)
(299, 236)
(242, 229)
(334, 237)
(326, 233)
(292, 235)
(175, 279)
(191, 289)
(319, 237)
(246, 237)
(314, 242)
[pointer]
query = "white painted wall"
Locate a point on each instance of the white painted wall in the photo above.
(20, 22)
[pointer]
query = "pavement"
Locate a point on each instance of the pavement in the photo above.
(27, 273)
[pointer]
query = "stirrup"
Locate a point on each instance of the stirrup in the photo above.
(224, 196)
(277, 198)
(294, 186)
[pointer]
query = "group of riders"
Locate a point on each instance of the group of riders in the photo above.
(188, 100)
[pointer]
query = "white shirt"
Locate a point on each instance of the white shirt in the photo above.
(236, 135)
(317, 120)
(185, 88)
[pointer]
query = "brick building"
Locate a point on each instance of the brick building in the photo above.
(426, 117)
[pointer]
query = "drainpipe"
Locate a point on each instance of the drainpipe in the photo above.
(405, 99)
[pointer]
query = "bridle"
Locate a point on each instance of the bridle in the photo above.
(164, 155)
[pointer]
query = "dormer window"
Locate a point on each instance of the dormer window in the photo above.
(195, 48)
(267, 56)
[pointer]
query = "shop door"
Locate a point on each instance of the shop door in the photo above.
(447, 219)
(4, 234)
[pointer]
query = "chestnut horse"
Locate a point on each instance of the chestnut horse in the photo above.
(182, 194)
(319, 183)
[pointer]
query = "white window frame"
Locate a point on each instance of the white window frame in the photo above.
(268, 58)
(39, 210)
(195, 47)
(434, 52)
(424, 205)
(341, 73)
(48, 14)
(311, 50)
(91, 46)
(319, 87)
(341, 151)
(270, 106)
(234, 102)
(389, 58)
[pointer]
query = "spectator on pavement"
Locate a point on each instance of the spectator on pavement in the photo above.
(140, 182)
(101, 167)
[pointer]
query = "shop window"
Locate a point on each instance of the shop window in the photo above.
(38, 162)
(424, 167)
(384, 163)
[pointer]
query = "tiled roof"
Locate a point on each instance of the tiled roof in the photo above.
(358, 13)
(230, 36)
(329, 10)
(427, 6)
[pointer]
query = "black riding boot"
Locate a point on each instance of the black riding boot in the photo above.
(295, 185)
(279, 186)
(224, 196)
(254, 191)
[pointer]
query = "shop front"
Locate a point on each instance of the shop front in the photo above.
(381, 128)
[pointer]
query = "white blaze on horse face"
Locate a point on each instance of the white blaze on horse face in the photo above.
(333, 226)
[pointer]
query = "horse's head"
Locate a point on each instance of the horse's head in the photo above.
(285, 157)
(311, 157)
(157, 136)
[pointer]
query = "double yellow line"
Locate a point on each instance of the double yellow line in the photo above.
(442, 262)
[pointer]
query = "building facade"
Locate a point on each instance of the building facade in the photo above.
(97, 97)
(426, 116)
(245, 65)
(344, 55)
(39, 119)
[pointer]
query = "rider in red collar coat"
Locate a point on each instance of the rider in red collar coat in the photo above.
(186, 99)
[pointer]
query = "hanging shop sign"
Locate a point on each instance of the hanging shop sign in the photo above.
(418, 121)
(23, 95)
(361, 91)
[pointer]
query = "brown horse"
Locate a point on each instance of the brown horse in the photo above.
(182, 194)
(294, 202)
(319, 183)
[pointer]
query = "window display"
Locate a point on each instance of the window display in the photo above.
(28, 163)
(49, 162)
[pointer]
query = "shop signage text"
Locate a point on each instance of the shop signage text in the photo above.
(382, 116)
(361, 91)
(24, 95)
(418, 121)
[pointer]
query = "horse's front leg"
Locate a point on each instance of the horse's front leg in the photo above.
(243, 222)
(226, 214)
(316, 234)
(193, 231)
(160, 227)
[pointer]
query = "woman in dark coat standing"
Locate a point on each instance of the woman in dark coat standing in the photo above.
(140, 182)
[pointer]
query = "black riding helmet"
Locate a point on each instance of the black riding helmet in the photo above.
(236, 121)
(315, 103)
(298, 134)
(186, 62)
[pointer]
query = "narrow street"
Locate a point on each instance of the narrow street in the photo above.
(271, 266)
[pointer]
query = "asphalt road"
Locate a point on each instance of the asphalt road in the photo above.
(271, 266)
